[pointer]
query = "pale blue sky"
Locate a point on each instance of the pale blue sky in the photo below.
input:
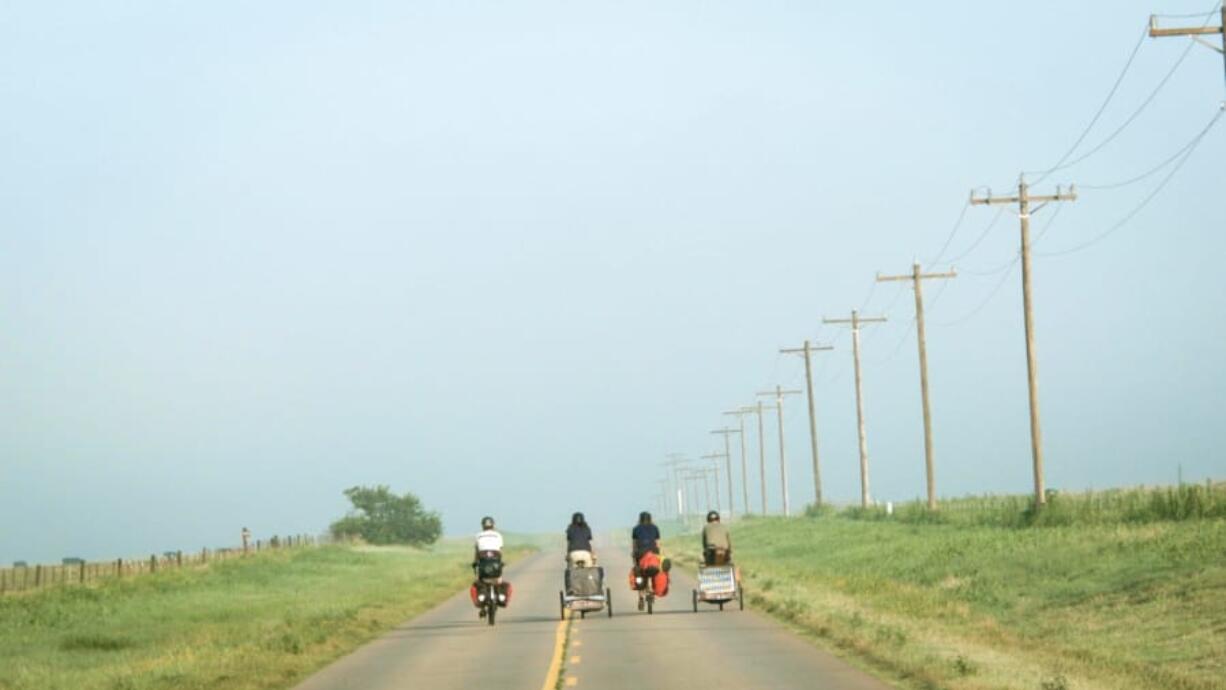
(508, 255)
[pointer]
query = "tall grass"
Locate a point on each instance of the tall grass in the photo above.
(1139, 505)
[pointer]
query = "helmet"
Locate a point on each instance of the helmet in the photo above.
(487, 522)
(712, 516)
(644, 516)
(577, 519)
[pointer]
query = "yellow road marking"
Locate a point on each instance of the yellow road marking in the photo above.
(577, 643)
(559, 649)
(571, 681)
(576, 659)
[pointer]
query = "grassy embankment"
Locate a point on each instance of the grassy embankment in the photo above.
(1115, 590)
(258, 622)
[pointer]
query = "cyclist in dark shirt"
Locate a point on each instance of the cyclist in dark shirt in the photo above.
(645, 537)
(579, 541)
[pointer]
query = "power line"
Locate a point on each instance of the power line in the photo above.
(1101, 109)
(1133, 213)
(1131, 118)
(1196, 15)
(1133, 180)
(952, 233)
(1000, 212)
(987, 300)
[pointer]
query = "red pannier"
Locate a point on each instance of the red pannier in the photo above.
(651, 569)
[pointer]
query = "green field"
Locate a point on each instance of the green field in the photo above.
(259, 622)
(1111, 591)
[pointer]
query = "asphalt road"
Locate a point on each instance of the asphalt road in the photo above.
(450, 648)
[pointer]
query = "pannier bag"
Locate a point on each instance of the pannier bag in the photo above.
(489, 568)
(504, 594)
(659, 584)
(651, 572)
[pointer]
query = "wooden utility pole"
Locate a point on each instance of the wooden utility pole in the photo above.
(1024, 199)
(807, 350)
(728, 458)
(761, 452)
(1194, 33)
(675, 462)
(856, 321)
(783, 466)
(917, 278)
(740, 416)
(713, 470)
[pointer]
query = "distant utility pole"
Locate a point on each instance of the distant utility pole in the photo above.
(1194, 33)
(917, 278)
(856, 321)
(728, 458)
(740, 416)
(714, 470)
(807, 350)
(761, 452)
(692, 478)
(675, 462)
(783, 466)
(1023, 199)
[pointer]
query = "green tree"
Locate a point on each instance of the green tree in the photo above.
(382, 517)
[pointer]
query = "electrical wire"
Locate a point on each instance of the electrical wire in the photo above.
(952, 233)
(1047, 226)
(992, 271)
(1145, 175)
(1197, 15)
(1101, 109)
(979, 240)
(1131, 118)
(987, 300)
(1136, 210)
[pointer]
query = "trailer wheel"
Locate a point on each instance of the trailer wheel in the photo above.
(562, 604)
(694, 596)
(608, 601)
(740, 597)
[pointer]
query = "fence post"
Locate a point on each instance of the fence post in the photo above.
(178, 559)
(119, 568)
(38, 576)
(82, 572)
(153, 563)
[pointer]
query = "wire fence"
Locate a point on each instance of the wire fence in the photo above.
(78, 572)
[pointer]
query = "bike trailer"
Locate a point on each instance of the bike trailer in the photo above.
(585, 582)
(716, 583)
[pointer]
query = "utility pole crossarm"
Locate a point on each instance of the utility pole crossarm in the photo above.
(1060, 195)
(801, 350)
(781, 392)
(1194, 33)
(1155, 32)
(951, 273)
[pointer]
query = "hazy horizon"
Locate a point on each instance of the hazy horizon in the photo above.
(507, 257)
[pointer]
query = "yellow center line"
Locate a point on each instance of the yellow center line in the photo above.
(559, 650)
(571, 681)
(576, 659)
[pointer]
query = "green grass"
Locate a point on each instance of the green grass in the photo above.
(1113, 506)
(974, 599)
(260, 622)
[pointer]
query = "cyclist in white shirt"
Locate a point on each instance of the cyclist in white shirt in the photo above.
(488, 545)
